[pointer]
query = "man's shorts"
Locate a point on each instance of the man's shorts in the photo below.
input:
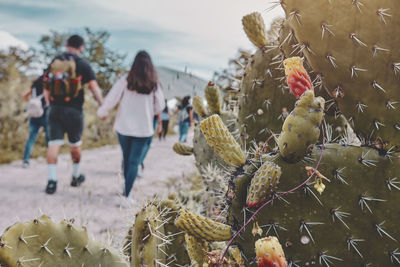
(61, 120)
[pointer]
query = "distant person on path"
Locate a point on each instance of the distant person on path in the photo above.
(165, 121)
(63, 83)
(140, 97)
(36, 91)
(185, 116)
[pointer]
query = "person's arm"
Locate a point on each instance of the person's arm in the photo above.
(95, 89)
(46, 95)
(159, 130)
(112, 98)
(26, 94)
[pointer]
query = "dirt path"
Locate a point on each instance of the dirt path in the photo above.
(96, 203)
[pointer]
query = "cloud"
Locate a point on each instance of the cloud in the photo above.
(7, 41)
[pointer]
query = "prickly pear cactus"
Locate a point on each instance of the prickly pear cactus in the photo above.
(182, 149)
(197, 249)
(42, 242)
(354, 46)
(154, 239)
(354, 221)
(264, 102)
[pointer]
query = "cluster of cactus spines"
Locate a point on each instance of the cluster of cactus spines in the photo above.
(358, 59)
(182, 149)
(197, 249)
(263, 184)
(253, 25)
(154, 239)
(213, 97)
(264, 102)
(202, 227)
(269, 253)
(222, 141)
(42, 242)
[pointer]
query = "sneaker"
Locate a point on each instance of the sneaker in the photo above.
(25, 164)
(140, 172)
(76, 181)
(51, 187)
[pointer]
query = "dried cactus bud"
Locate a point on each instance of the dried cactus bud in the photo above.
(199, 107)
(270, 253)
(253, 25)
(297, 77)
(196, 249)
(222, 141)
(182, 149)
(202, 227)
(213, 97)
(263, 183)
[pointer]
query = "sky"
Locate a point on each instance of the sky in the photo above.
(202, 35)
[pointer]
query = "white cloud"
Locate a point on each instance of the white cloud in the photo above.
(7, 41)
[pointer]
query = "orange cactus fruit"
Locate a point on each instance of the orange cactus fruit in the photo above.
(269, 253)
(297, 77)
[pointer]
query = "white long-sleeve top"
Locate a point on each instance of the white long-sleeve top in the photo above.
(135, 112)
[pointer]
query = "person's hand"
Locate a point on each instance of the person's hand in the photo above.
(160, 128)
(105, 117)
(25, 96)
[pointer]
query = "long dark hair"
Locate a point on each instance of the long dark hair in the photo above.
(143, 76)
(185, 102)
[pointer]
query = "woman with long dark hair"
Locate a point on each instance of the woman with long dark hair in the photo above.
(140, 97)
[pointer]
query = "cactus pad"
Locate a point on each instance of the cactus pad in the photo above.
(213, 97)
(197, 249)
(253, 25)
(199, 107)
(182, 149)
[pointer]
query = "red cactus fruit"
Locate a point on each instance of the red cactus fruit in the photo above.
(297, 77)
(269, 253)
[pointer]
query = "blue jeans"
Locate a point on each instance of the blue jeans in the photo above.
(133, 149)
(155, 124)
(183, 130)
(34, 126)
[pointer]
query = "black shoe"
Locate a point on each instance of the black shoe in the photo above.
(51, 187)
(76, 181)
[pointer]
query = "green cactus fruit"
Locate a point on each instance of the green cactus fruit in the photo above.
(42, 242)
(254, 27)
(213, 97)
(354, 46)
(197, 249)
(264, 102)
(205, 154)
(354, 222)
(263, 184)
(222, 141)
(301, 128)
(182, 149)
(148, 236)
(202, 227)
(199, 107)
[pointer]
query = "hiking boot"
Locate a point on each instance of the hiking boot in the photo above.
(51, 187)
(25, 164)
(76, 181)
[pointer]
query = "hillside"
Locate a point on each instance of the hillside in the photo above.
(178, 83)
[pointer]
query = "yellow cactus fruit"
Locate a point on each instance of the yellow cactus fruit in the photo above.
(202, 227)
(213, 97)
(222, 141)
(269, 253)
(253, 25)
(182, 149)
(196, 249)
(199, 107)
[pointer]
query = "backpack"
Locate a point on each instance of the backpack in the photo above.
(61, 80)
(35, 108)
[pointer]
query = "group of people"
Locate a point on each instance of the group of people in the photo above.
(141, 107)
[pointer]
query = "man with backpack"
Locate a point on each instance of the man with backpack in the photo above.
(36, 110)
(64, 82)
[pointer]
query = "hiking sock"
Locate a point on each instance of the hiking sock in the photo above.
(52, 170)
(76, 170)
